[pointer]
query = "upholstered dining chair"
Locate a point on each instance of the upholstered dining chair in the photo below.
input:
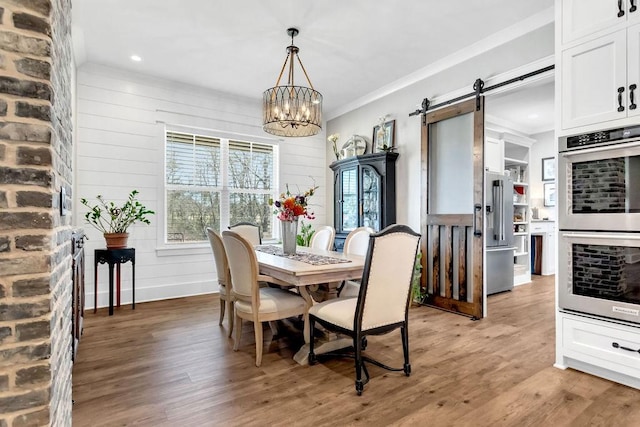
(356, 243)
(383, 303)
(224, 277)
(323, 238)
(252, 302)
(251, 232)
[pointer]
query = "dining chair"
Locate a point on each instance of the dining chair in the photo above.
(382, 304)
(356, 243)
(224, 277)
(249, 231)
(323, 238)
(252, 302)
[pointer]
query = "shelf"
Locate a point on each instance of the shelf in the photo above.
(520, 234)
(521, 204)
(520, 184)
(520, 253)
(520, 223)
(510, 161)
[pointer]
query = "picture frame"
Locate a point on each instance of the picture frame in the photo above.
(548, 169)
(549, 194)
(389, 137)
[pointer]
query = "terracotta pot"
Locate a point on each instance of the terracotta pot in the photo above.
(116, 240)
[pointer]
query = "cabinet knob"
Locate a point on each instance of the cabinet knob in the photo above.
(632, 98)
(633, 7)
(620, 9)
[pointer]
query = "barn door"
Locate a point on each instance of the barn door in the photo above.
(451, 209)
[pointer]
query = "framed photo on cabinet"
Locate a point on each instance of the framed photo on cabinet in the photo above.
(383, 139)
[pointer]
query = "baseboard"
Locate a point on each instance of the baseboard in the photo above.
(154, 293)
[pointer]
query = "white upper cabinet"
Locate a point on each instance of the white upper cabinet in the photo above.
(594, 81)
(581, 18)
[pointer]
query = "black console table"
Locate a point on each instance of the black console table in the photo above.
(115, 257)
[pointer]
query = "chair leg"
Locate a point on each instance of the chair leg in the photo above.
(223, 304)
(405, 349)
(357, 344)
(274, 328)
(312, 355)
(236, 343)
(230, 314)
(257, 327)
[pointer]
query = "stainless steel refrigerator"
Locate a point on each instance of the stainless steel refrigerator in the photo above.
(499, 232)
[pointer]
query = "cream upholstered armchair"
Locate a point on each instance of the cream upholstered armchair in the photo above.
(224, 277)
(383, 303)
(356, 243)
(250, 232)
(323, 238)
(251, 301)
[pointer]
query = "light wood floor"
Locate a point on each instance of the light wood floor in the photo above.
(168, 363)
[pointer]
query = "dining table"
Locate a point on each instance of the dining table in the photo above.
(305, 270)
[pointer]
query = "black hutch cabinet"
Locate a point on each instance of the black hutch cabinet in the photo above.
(364, 193)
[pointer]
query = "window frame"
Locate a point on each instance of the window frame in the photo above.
(169, 248)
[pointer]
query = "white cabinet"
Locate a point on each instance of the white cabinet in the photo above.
(592, 74)
(607, 349)
(582, 18)
(493, 155)
(599, 63)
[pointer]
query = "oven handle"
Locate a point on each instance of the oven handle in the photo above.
(601, 236)
(632, 144)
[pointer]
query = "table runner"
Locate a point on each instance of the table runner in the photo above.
(312, 259)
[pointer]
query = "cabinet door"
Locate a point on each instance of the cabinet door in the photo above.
(592, 73)
(371, 198)
(633, 69)
(347, 206)
(583, 17)
(493, 155)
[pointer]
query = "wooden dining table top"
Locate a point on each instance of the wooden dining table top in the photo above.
(300, 273)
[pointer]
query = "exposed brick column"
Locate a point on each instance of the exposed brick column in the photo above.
(35, 253)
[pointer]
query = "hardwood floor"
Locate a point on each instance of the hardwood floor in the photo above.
(168, 363)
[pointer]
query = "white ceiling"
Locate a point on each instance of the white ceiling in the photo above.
(350, 48)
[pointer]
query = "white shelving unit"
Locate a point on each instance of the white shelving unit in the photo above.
(516, 165)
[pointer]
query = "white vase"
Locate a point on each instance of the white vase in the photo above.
(289, 233)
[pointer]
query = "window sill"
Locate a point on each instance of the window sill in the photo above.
(183, 249)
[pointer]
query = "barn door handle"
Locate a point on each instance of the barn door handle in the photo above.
(476, 208)
(620, 9)
(633, 7)
(616, 345)
(632, 100)
(620, 92)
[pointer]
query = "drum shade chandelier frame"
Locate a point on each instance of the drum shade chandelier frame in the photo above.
(290, 110)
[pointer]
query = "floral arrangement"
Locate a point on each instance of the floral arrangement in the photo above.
(333, 138)
(109, 218)
(290, 206)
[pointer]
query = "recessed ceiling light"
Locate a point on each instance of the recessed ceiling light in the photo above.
(533, 116)
(136, 58)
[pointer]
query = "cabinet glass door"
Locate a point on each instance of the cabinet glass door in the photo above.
(371, 198)
(349, 203)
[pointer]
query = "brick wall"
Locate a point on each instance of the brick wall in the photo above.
(599, 186)
(35, 253)
(598, 270)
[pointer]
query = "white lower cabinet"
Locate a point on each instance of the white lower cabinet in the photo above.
(604, 348)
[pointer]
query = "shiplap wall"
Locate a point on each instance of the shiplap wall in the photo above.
(121, 117)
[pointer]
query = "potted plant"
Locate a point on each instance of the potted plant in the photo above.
(114, 221)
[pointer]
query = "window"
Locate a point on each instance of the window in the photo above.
(214, 182)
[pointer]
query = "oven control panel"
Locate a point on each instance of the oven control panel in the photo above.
(599, 138)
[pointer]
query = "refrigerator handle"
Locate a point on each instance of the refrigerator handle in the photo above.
(498, 190)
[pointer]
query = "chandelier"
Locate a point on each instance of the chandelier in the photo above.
(291, 110)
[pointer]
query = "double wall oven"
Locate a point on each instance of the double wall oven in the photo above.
(599, 222)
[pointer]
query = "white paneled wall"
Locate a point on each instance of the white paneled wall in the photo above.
(121, 118)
